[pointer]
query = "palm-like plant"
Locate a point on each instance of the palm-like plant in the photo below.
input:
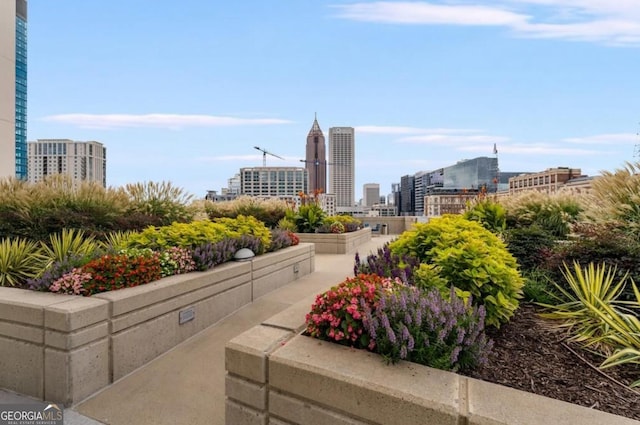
(19, 260)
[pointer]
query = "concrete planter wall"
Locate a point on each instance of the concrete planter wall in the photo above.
(276, 376)
(63, 348)
(332, 243)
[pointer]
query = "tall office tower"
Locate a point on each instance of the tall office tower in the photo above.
(13, 89)
(371, 194)
(342, 161)
(316, 159)
(81, 161)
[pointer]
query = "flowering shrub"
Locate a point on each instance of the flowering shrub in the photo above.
(386, 263)
(337, 227)
(55, 271)
(295, 240)
(111, 272)
(71, 283)
(425, 328)
(203, 257)
(280, 239)
(176, 260)
(336, 315)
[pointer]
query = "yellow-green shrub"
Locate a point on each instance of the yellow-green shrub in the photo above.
(470, 258)
(197, 233)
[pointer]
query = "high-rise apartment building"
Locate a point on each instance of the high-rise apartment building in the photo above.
(316, 159)
(371, 194)
(13, 88)
(81, 161)
(282, 182)
(342, 166)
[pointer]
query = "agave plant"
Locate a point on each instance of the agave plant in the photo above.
(67, 243)
(20, 260)
(623, 333)
(590, 289)
(116, 241)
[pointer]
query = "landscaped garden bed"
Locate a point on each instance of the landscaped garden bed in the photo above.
(337, 243)
(89, 291)
(447, 295)
(64, 348)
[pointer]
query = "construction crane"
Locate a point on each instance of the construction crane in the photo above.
(264, 155)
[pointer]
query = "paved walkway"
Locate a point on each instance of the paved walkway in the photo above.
(186, 384)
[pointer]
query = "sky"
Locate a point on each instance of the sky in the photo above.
(182, 91)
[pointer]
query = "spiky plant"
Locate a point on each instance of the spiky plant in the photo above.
(69, 242)
(20, 260)
(116, 241)
(592, 289)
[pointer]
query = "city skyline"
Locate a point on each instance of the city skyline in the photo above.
(185, 93)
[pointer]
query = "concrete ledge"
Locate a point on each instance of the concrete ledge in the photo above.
(64, 348)
(312, 382)
(332, 243)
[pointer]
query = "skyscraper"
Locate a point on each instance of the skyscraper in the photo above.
(371, 194)
(13, 88)
(342, 161)
(316, 159)
(81, 161)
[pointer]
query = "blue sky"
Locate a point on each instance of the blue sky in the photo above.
(183, 91)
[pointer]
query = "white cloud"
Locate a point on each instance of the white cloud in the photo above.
(605, 139)
(453, 139)
(614, 22)
(380, 129)
(531, 149)
(429, 13)
(171, 121)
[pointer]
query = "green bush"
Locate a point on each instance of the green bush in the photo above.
(470, 258)
(491, 215)
(35, 211)
(269, 211)
(159, 200)
(247, 225)
(349, 223)
(198, 233)
(19, 260)
(308, 218)
(598, 243)
(530, 245)
(538, 287)
(553, 213)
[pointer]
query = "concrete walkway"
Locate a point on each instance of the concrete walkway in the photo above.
(186, 384)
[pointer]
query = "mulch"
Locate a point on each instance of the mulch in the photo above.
(531, 354)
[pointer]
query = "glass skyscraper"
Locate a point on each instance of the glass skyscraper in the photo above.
(21, 89)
